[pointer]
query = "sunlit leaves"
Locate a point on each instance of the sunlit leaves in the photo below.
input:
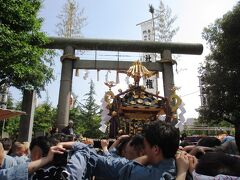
(23, 61)
(221, 71)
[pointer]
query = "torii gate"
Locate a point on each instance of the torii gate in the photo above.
(70, 62)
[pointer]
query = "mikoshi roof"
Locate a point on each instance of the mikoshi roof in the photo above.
(8, 113)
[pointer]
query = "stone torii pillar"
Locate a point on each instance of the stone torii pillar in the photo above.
(26, 121)
(70, 62)
(65, 87)
(168, 80)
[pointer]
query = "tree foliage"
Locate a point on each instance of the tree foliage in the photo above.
(89, 117)
(44, 117)
(71, 20)
(10, 125)
(164, 29)
(23, 61)
(75, 116)
(221, 71)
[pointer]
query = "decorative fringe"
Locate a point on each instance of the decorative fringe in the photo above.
(85, 75)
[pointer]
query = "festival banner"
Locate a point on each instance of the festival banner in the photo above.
(151, 84)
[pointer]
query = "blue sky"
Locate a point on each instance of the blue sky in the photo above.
(117, 19)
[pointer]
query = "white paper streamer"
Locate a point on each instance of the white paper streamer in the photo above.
(182, 120)
(127, 80)
(104, 116)
(106, 76)
(85, 76)
(103, 128)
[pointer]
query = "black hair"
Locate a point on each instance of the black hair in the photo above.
(182, 137)
(7, 143)
(137, 142)
(185, 143)
(214, 163)
(164, 135)
(121, 146)
(43, 143)
(209, 142)
(61, 137)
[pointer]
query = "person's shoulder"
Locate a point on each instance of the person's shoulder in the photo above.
(167, 165)
(9, 157)
(229, 138)
(20, 159)
(134, 170)
(8, 162)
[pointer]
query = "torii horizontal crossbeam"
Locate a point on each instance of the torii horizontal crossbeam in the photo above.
(124, 45)
(113, 65)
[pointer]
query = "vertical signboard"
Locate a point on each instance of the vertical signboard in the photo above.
(151, 84)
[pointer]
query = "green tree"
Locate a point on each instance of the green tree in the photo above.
(90, 117)
(44, 117)
(3, 96)
(221, 70)
(11, 125)
(10, 103)
(23, 61)
(75, 116)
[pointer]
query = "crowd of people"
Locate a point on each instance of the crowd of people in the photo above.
(156, 153)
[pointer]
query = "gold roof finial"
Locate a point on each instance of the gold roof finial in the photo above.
(137, 70)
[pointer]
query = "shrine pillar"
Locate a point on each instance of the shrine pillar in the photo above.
(65, 87)
(167, 72)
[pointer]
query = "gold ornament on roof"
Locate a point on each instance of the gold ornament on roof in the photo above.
(137, 70)
(175, 99)
(110, 84)
(109, 95)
